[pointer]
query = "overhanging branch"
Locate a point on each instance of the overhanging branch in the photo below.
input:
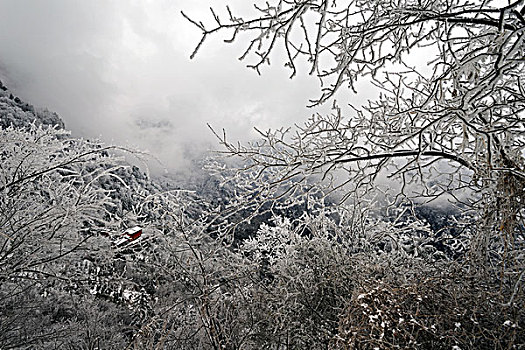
(401, 154)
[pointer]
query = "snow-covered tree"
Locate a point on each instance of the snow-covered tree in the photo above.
(51, 204)
(446, 128)
(52, 216)
(449, 112)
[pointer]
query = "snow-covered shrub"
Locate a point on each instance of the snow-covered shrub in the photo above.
(432, 310)
(54, 220)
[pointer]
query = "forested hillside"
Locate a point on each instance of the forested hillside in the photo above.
(17, 113)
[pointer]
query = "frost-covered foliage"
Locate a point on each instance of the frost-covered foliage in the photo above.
(63, 280)
(448, 120)
(329, 257)
(300, 282)
(297, 282)
(432, 310)
(63, 202)
(446, 129)
(52, 212)
(17, 113)
(50, 199)
(313, 283)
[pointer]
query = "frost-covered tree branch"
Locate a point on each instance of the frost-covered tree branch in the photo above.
(447, 125)
(450, 107)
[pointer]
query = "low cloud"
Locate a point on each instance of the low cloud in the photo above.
(119, 70)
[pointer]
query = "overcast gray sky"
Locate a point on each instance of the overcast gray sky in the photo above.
(120, 70)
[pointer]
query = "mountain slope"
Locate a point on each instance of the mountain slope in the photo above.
(17, 113)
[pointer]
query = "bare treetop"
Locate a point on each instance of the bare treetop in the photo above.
(449, 116)
(343, 40)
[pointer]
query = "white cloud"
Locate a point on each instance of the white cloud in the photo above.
(121, 70)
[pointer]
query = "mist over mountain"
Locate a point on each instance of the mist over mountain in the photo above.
(367, 190)
(120, 72)
(208, 240)
(190, 176)
(17, 113)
